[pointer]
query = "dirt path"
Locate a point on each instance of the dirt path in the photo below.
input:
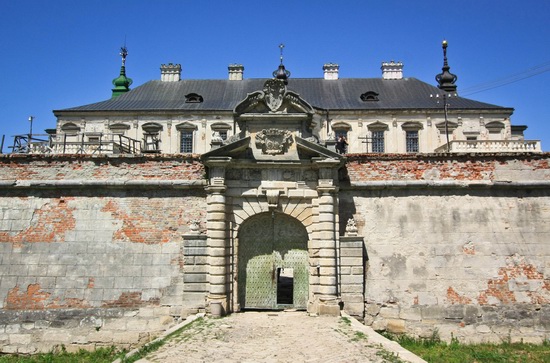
(275, 337)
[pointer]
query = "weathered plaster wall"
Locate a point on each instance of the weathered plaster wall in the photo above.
(100, 264)
(455, 246)
(91, 247)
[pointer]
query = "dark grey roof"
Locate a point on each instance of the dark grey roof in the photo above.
(341, 94)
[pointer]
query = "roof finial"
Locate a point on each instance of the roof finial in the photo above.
(124, 54)
(446, 79)
(281, 72)
(122, 83)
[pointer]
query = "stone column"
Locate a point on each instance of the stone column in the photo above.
(217, 234)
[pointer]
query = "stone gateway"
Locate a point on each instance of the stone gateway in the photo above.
(228, 196)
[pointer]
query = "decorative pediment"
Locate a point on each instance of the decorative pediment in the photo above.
(412, 126)
(274, 98)
(451, 126)
(152, 127)
(186, 126)
(377, 126)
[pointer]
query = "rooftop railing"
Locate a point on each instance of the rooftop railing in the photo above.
(491, 146)
(81, 143)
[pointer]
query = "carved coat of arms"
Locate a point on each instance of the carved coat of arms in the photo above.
(274, 90)
(274, 141)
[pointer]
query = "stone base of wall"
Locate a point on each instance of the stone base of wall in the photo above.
(467, 323)
(29, 332)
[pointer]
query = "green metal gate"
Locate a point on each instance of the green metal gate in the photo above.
(269, 242)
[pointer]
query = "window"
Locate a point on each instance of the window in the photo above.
(411, 129)
(186, 132)
(193, 98)
(377, 141)
(186, 141)
(369, 96)
(222, 128)
(412, 141)
(377, 134)
(151, 137)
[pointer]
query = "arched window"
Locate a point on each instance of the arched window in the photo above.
(369, 96)
(193, 98)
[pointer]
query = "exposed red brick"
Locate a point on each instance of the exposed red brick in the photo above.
(100, 167)
(499, 287)
(455, 298)
(49, 224)
(130, 300)
(36, 299)
(91, 283)
(150, 221)
(469, 249)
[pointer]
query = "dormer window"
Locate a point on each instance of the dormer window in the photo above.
(193, 98)
(369, 96)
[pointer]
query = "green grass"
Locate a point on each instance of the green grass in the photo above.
(435, 351)
(100, 355)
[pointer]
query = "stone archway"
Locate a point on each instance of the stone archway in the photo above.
(272, 264)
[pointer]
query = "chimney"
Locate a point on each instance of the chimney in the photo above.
(236, 72)
(392, 70)
(170, 72)
(331, 70)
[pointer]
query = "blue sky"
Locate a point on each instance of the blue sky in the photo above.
(57, 54)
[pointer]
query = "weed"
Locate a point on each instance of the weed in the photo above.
(345, 320)
(359, 336)
(389, 357)
(434, 350)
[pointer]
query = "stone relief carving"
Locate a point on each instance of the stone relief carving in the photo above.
(274, 91)
(274, 141)
(194, 226)
(351, 228)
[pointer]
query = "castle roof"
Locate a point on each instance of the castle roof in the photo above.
(341, 94)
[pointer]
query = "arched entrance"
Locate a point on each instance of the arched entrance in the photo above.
(272, 262)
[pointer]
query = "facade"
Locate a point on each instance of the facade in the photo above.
(184, 196)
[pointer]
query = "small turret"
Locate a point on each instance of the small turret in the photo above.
(281, 72)
(446, 79)
(122, 83)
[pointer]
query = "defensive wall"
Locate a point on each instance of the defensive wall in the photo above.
(102, 250)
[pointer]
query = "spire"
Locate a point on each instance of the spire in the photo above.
(281, 72)
(122, 83)
(446, 79)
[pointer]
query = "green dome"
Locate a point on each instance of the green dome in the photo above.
(121, 83)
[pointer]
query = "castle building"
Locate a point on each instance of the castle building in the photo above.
(184, 196)
(390, 114)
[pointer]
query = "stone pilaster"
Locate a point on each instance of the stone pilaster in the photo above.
(325, 245)
(217, 233)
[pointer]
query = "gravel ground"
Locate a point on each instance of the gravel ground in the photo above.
(273, 337)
